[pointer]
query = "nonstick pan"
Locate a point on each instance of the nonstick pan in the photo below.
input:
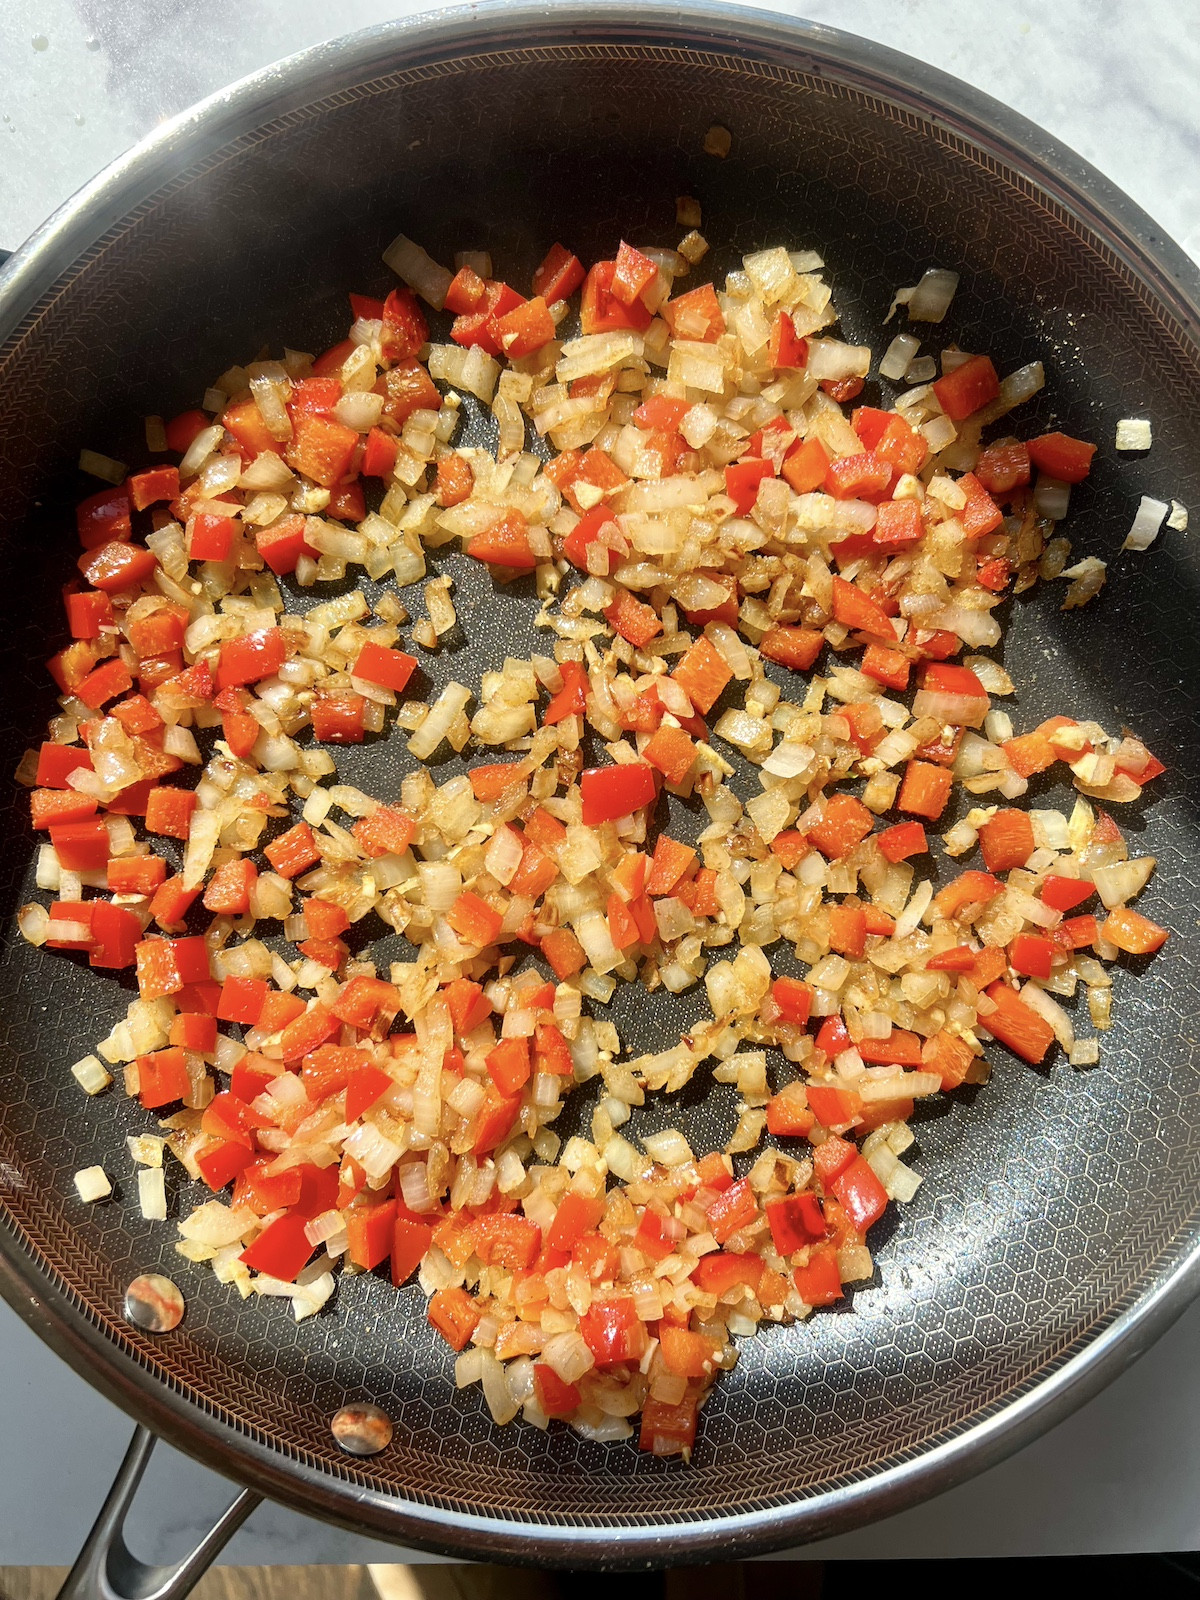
(1058, 1228)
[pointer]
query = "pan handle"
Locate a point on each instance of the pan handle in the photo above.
(106, 1569)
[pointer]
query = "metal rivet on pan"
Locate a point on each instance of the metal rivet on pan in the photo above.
(154, 1303)
(362, 1430)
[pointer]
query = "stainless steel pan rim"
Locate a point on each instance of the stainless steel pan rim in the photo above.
(62, 1319)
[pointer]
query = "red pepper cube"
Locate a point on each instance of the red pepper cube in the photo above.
(390, 669)
(404, 330)
(612, 792)
(162, 1078)
(1060, 456)
(283, 543)
(88, 611)
(338, 718)
(293, 852)
(242, 1000)
(104, 517)
(117, 566)
(81, 846)
(387, 831)
(250, 658)
(109, 680)
(56, 763)
(925, 790)
(559, 275)
(115, 935)
(169, 812)
(967, 388)
(211, 538)
(281, 1249)
(157, 483)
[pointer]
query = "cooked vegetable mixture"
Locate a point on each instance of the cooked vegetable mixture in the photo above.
(737, 570)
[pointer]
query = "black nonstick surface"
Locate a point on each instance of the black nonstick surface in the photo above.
(1057, 1225)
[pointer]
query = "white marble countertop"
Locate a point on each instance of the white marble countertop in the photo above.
(82, 80)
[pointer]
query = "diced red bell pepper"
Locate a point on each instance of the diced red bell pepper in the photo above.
(509, 1065)
(981, 515)
(117, 566)
(848, 931)
(379, 454)
(474, 921)
(524, 329)
(56, 763)
(1131, 932)
(313, 1028)
(819, 1283)
(245, 423)
(338, 718)
(407, 388)
(181, 430)
(554, 1397)
(88, 612)
(169, 812)
(387, 831)
(410, 1241)
(211, 538)
(242, 1000)
(1064, 894)
(795, 1220)
(321, 449)
(861, 477)
(283, 543)
(687, 1354)
(925, 790)
(293, 852)
(788, 1113)
(695, 315)
(1006, 840)
(494, 1122)
(162, 1078)
(171, 903)
(672, 752)
(1003, 467)
(854, 608)
(969, 888)
(963, 391)
(116, 932)
(668, 1430)
(505, 543)
(786, 349)
(368, 1004)
(282, 1249)
(404, 327)
(1032, 954)
(136, 874)
(577, 1214)
(466, 292)
(612, 792)
(228, 891)
(845, 823)
(805, 466)
(833, 1108)
(742, 479)
(1024, 1030)
(571, 699)
(564, 953)
(898, 524)
(1060, 456)
(601, 311)
(794, 999)
(633, 274)
(671, 861)
(559, 275)
(251, 657)
(104, 516)
(861, 1194)
(633, 619)
(455, 1315)
(735, 1208)
(703, 674)
(904, 840)
(221, 1161)
(81, 846)
(510, 1242)
(613, 1332)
